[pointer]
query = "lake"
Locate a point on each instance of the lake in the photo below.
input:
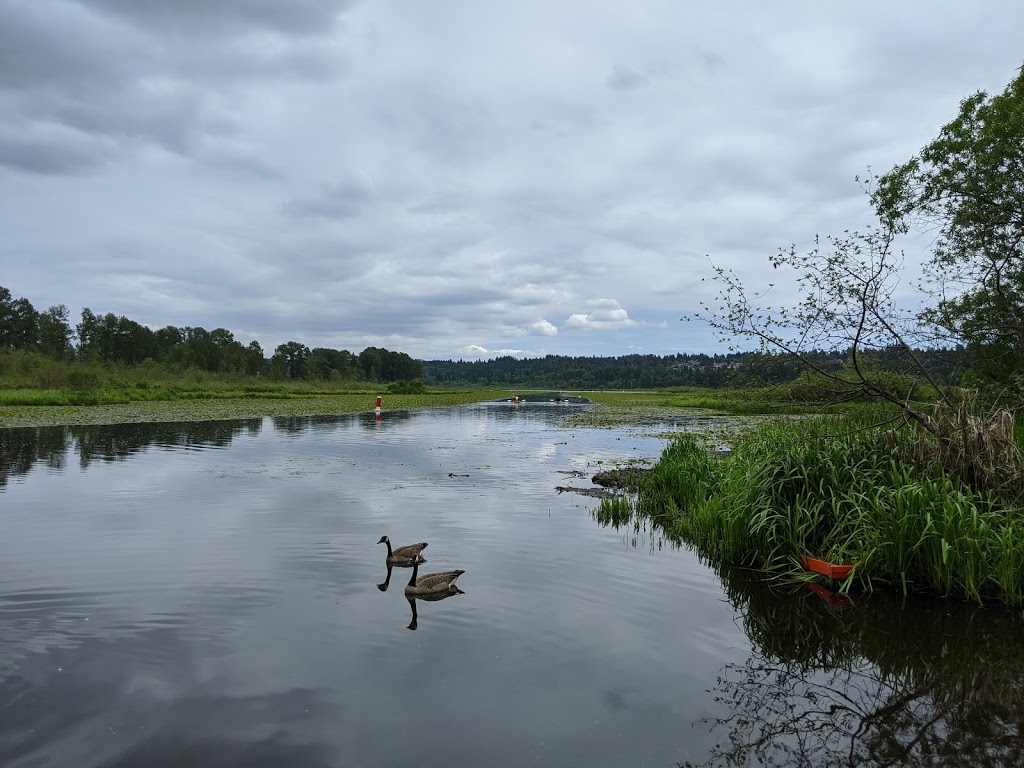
(213, 594)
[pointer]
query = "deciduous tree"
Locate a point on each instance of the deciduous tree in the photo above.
(967, 187)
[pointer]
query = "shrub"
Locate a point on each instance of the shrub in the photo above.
(85, 377)
(414, 387)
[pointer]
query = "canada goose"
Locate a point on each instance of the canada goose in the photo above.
(431, 583)
(404, 555)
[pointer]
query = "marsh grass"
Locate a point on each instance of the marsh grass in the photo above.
(30, 379)
(979, 447)
(124, 395)
(835, 489)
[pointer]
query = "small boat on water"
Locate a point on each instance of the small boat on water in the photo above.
(825, 568)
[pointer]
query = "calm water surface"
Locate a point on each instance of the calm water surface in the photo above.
(212, 594)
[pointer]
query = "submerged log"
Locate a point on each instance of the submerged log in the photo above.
(600, 493)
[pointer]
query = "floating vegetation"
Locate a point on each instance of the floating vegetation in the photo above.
(218, 408)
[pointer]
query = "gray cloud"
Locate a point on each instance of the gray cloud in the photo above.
(113, 69)
(624, 78)
(437, 180)
(340, 200)
(48, 45)
(52, 152)
(227, 17)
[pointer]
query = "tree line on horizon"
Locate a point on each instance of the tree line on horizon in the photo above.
(116, 339)
(734, 369)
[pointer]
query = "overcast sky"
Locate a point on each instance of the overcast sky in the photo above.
(455, 179)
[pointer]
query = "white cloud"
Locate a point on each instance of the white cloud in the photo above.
(605, 314)
(475, 350)
(348, 174)
(543, 328)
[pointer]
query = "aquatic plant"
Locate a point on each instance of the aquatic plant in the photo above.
(834, 488)
(220, 405)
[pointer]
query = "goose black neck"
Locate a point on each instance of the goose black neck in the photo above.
(415, 568)
(388, 542)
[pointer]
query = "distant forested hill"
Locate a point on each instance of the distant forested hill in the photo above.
(643, 371)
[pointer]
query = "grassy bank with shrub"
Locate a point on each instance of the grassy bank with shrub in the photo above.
(805, 395)
(840, 489)
(726, 400)
(28, 378)
(36, 390)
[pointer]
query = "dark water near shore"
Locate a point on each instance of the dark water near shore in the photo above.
(207, 595)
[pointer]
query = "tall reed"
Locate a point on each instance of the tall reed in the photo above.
(834, 488)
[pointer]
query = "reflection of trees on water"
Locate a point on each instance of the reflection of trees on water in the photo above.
(876, 682)
(22, 449)
(300, 425)
(873, 681)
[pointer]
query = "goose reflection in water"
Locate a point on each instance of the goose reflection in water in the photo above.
(383, 587)
(431, 598)
(387, 581)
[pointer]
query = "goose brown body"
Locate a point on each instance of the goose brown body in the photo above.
(431, 583)
(404, 555)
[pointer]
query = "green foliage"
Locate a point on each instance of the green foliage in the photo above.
(85, 376)
(966, 189)
(832, 488)
(289, 360)
(384, 365)
(813, 387)
(414, 387)
(627, 372)
(119, 346)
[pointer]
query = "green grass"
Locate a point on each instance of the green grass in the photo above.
(122, 395)
(831, 488)
(725, 400)
(37, 391)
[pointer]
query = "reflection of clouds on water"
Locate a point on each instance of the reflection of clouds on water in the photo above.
(241, 574)
(101, 705)
(254, 569)
(873, 680)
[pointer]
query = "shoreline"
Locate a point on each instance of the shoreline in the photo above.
(222, 409)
